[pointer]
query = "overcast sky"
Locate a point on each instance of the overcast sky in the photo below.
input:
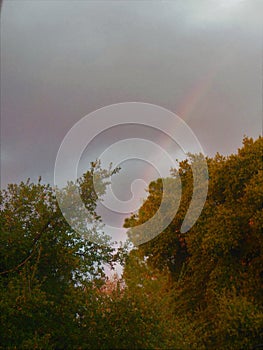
(61, 60)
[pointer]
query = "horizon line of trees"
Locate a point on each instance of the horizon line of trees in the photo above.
(196, 290)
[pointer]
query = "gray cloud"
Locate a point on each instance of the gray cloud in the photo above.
(61, 60)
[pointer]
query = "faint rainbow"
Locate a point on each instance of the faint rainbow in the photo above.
(200, 89)
(194, 96)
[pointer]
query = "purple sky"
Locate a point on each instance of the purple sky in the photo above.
(60, 60)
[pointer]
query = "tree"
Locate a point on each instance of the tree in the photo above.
(195, 290)
(48, 271)
(216, 267)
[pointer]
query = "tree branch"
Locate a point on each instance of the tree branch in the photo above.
(36, 239)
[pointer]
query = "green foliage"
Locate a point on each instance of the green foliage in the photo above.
(196, 290)
(46, 267)
(216, 268)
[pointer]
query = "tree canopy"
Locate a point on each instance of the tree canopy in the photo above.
(201, 289)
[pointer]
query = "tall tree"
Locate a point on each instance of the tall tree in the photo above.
(215, 268)
(48, 270)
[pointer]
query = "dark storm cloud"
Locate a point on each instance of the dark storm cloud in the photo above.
(62, 60)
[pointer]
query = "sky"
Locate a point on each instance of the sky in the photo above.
(61, 60)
